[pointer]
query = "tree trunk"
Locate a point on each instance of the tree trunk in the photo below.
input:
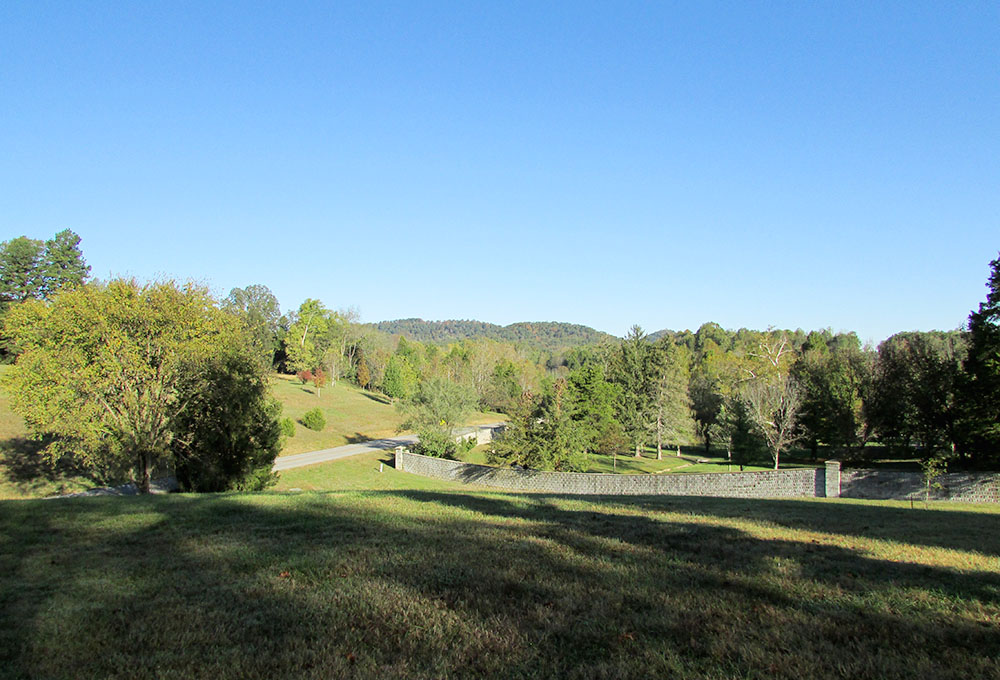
(146, 464)
(659, 437)
(638, 454)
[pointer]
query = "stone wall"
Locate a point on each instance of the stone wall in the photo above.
(830, 482)
(771, 484)
(981, 487)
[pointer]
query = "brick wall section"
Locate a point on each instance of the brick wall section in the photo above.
(807, 482)
(982, 487)
(772, 484)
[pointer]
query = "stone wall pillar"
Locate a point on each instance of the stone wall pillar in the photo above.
(399, 458)
(833, 479)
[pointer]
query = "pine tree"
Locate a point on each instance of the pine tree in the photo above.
(981, 382)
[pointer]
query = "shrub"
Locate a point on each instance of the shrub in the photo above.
(435, 443)
(314, 419)
(288, 427)
(304, 376)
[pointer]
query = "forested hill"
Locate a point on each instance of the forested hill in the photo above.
(547, 334)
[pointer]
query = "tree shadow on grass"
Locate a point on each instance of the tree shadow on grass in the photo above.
(375, 397)
(423, 584)
(23, 462)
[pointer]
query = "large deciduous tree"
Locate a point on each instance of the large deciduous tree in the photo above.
(260, 313)
(111, 374)
(835, 374)
(770, 397)
(671, 404)
(914, 399)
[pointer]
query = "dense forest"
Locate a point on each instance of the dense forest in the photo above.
(570, 392)
(548, 335)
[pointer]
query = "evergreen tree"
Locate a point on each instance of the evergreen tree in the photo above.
(633, 373)
(980, 386)
(32, 270)
(400, 379)
(592, 402)
(64, 267)
(542, 433)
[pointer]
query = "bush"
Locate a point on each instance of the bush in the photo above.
(314, 419)
(435, 443)
(288, 427)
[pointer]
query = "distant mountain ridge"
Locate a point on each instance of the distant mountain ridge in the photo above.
(547, 334)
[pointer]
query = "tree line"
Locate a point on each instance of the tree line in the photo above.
(751, 394)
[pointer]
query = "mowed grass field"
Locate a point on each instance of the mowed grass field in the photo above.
(400, 576)
(352, 414)
(692, 459)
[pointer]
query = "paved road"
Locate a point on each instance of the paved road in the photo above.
(325, 455)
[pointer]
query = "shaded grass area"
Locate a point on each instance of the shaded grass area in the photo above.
(25, 472)
(422, 583)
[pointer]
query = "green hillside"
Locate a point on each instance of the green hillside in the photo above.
(549, 335)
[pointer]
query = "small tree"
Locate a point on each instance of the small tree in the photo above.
(438, 406)
(305, 376)
(932, 467)
(772, 405)
(363, 374)
(319, 379)
(400, 379)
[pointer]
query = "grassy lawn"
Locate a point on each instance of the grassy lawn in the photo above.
(364, 472)
(430, 583)
(628, 464)
(352, 414)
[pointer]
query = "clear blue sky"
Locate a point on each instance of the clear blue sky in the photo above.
(795, 164)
